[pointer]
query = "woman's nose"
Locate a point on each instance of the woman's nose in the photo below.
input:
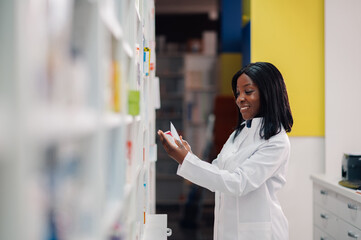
(240, 98)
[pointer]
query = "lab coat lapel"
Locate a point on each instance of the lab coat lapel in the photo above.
(231, 147)
(244, 146)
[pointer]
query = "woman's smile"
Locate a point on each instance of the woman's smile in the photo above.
(244, 108)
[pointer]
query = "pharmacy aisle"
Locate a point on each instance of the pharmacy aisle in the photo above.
(78, 95)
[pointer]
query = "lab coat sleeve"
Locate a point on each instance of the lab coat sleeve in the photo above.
(215, 162)
(249, 175)
(198, 171)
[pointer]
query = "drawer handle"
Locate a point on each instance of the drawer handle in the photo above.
(324, 192)
(352, 206)
(324, 216)
(323, 238)
(351, 234)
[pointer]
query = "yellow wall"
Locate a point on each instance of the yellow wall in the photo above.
(230, 64)
(290, 34)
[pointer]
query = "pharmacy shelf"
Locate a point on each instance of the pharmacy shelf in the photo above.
(170, 74)
(114, 120)
(110, 19)
(128, 49)
(175, 96)
(202, 89)
(79, 151)
(115, 208)
(59, 124)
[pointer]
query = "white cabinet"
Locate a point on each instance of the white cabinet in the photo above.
(321, 235)
(336, 210)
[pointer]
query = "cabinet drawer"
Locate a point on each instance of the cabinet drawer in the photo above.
(347, 232)
(349, 210)
(325, 198)
(325, 220)
(318, 234)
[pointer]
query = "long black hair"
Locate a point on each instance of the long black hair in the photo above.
(275, 108)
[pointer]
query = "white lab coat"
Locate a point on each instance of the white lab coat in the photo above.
(245, 177)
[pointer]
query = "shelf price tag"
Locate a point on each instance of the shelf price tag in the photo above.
(146, 61)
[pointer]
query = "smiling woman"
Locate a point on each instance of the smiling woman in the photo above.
(252, 165)
(265, 95)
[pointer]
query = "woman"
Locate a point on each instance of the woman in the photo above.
(252, 164)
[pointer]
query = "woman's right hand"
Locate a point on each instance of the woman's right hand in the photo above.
(186, 145)
(177, 152)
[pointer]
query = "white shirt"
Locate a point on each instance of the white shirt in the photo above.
(245, 177)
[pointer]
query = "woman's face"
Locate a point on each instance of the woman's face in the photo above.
(247, 97)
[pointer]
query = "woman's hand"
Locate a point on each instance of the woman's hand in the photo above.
(186, 145)
(179, 152)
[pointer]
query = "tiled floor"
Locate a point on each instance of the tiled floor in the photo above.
(203, 230)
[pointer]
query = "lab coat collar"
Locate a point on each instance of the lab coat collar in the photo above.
(248, 123)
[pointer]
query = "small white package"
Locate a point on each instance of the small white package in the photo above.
(172, 135)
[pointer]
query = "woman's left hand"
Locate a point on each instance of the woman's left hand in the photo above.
(178, 153)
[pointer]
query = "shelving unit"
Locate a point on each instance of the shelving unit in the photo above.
(78, 94)
(188, 88)
(170, 70)
(200, 92)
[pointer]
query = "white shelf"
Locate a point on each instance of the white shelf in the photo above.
(57, 125)
(128, 119)
(49, 125)
(110, 19)
(114, 209)
(113, 120)
(111, 213)
(137, 10)
(135, 175)
(137, 118)
(128, 49)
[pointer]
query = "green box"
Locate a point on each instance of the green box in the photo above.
(133, 102)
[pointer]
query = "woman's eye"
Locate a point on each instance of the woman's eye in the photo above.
(248, 92)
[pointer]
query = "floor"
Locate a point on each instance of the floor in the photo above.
(201, 229)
